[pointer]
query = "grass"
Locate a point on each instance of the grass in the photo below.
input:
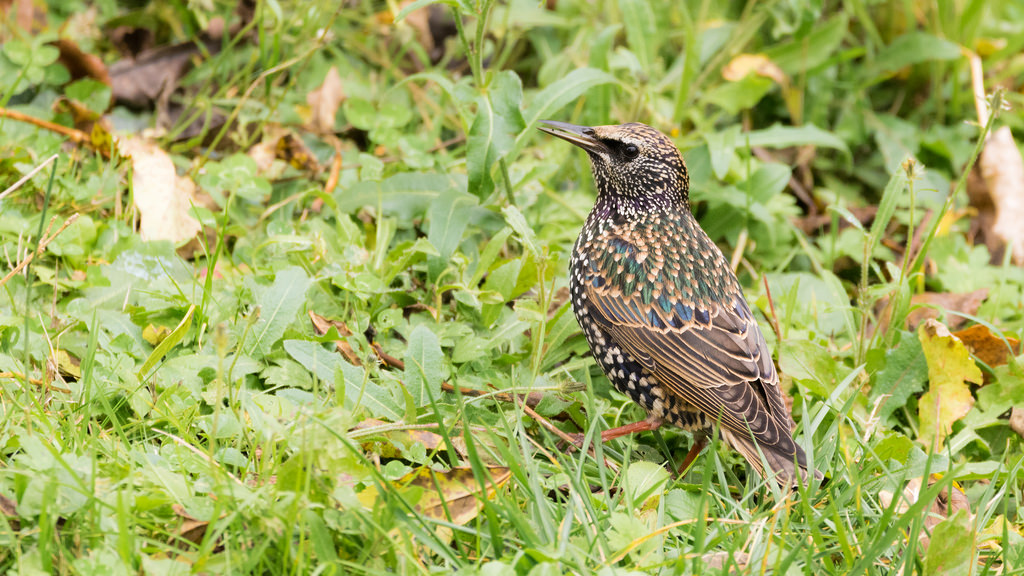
(171, 409)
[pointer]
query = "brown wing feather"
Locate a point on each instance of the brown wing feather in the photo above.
(717, 367)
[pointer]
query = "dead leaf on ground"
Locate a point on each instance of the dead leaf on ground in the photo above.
(1002, 169)
(948, 398)
(1017, 421)
(739, 67)
(323, 325)
(324, 102)
(162, 197)
(397, 440)
(944, 505)
(456, 492)
(986, 346)
(192, 529)
(280, 143)
(9, 508)
(717, 560)
(928, 304)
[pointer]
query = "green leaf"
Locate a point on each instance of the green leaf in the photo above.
(904, 374)
(951, 550)
(167, 343)
(803, 54)
(278, 305)
(498, 121)
(358, 390)
(406, 195)
(641, 30)
(767, 181)
(518, 222)
(423, 364)
(95, 95)
(779, 136)
(810, 364)
(448, 220)
(721, 146)
(948, 398)
(914, 48)
(556, 96)
(735, 97)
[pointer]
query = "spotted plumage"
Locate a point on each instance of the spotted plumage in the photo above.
(660, 307)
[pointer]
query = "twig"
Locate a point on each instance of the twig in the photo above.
(37, 381)
(42, 246)
(25, 178)
(771, 306)
(544, 422)
(76, 136)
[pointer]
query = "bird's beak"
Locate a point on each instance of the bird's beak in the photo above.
(582, 136)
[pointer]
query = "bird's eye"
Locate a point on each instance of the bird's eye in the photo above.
(630, 151)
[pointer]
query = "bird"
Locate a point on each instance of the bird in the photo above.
(662, 310)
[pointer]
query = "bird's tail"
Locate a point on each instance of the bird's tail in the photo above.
(787, 463)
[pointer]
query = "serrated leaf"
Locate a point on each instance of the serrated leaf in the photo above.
(948, 398)
(278, 305)
(905, 373)
(423, 364)
(358, 390)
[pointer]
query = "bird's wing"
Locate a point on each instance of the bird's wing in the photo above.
(715, 359)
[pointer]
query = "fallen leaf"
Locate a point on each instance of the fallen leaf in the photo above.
(323, 325)
(717, 560)
(1002, 168)
(81, 64)
(954, 548)
(9, 508)
(948, 398)
(945, 504)
(986, 346)
(163, 198)
(739, 67)
(325, 101)
(1017, 421)
(927, 305)
(192, 529)
(456, 493)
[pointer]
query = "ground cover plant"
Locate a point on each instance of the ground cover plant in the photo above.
(285, 285)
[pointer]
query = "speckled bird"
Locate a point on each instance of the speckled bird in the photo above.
(662, 310)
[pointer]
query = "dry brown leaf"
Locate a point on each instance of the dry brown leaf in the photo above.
(81, 64)
(323, 325)
(988, 347)
(325, 101)
(742, 65)
(944, 505)
(193, 530)
(163, 198)
(966, 303)
(1002, 168)
(717, 560)
(456, 492)
(1017, 421)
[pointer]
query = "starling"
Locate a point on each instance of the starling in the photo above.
(662, 310)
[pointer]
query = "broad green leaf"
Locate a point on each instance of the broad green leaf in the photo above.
(518, 222)
(948, 398)
(406, 195)
(779, 136)
(951, 550)
(556, 96)
(498, 121)
(735, 97)
(721, 145)
(278, 305)
(767, 181)
(358, 390)
(802, 54)
(448, 220)
(645, 480)
(423, 365)
(914, 48)
(810, 364)
(641, 30)
(905, 374)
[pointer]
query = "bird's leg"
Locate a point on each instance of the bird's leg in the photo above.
(699, 442)
(645, 425)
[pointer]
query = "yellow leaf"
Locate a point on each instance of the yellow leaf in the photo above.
(740, 66)
(948, 398)
(455, 493)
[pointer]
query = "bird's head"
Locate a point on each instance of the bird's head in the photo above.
(636, 167)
